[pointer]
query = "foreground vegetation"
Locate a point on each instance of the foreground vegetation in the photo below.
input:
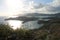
(50, 31)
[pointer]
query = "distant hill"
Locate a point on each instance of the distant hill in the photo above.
(34, 16)
(24, 19)
(38, 14)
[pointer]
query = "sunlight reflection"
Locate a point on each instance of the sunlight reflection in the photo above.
(15, 24)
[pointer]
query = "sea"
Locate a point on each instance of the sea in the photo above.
(14, 24)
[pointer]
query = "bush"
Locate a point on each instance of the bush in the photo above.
(5, 31)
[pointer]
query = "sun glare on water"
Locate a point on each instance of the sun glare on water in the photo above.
(14, 24)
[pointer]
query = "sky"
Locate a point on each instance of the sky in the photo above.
(15, 7)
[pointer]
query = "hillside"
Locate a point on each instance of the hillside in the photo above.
(50, 31)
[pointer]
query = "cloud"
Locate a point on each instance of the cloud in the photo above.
(32, 7)
(14, 7)
(53, 7)
(55, 3)
(11, 7)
